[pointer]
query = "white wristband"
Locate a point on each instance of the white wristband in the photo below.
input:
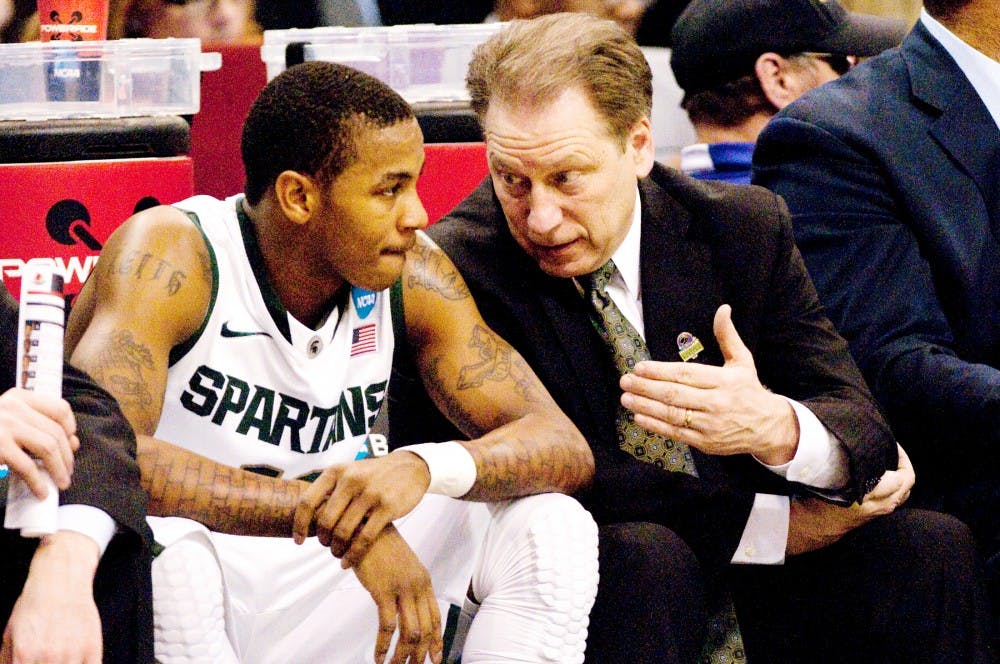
(452, 468)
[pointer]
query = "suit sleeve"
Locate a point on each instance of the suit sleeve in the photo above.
(799, 354)
(858, 242)
(106, 474)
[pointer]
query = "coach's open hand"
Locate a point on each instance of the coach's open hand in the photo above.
(718, 410)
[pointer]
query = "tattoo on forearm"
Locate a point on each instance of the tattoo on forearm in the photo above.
(122, 367)
(146, 267)
(431, 272)
(516, 466)
(223, 498)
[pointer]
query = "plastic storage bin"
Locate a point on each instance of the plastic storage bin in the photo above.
(425, 64)
(102, 79)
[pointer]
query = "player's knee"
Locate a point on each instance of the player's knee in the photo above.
(553, 540)
(188, 604)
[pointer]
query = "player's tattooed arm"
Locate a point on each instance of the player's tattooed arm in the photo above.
(428, 268)
(151, 292)
(225, 499)
(521, 441)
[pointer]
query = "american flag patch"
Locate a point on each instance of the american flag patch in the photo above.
(363, 340)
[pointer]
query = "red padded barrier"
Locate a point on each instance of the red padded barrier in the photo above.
(451, 172)
(65, 211)
(226, 96)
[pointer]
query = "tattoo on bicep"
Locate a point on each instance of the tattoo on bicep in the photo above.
(145, 267)
(498, 363)
(449, 404)
(121, 367)
(493, 365)
(431, 272)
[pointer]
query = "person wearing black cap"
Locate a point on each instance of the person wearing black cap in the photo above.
(892, 175)
(740, 61)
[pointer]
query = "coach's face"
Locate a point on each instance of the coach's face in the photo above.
(371, 211)
(566, 185)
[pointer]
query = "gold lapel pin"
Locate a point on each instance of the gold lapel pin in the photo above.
(688, 346)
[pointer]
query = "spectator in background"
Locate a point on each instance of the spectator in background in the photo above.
(85, 588)
(740, 62)
(627, 13)
(892, 175)
(280, 14)
(18, 21)
(216, 21)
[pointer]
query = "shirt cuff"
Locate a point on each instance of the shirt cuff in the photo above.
(820, 460)
(765, 536)
(88, 520)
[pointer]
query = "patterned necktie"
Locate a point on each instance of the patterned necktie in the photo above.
(723, 643)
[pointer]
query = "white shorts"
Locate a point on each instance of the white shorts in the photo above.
(293, 603)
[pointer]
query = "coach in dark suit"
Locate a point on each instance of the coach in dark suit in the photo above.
(564, 104)
(55, 608)
(892, 176)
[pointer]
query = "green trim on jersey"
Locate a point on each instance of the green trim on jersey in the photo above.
(271, 300)
(398, 315)
(181, 349)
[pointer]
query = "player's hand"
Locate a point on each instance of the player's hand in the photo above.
(401, 588)
(718, 410)
(37, 426)
(814, 524)
(55, 618)
(351, 503)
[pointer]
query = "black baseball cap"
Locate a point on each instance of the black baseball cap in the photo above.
(716, 41)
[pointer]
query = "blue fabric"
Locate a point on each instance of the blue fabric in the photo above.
(891, 174)
(731, 163)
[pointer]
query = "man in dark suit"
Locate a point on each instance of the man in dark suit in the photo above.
(564, 104)
(87, 584)
(892, 176)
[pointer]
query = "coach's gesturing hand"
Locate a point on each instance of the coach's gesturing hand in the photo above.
(402, 590)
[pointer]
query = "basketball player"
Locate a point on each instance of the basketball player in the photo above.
(249, 342)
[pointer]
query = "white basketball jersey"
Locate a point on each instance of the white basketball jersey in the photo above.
(256, 389)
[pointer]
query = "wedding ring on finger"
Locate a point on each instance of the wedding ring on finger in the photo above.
(687, 418)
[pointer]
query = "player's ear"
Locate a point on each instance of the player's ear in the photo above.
(297, 195)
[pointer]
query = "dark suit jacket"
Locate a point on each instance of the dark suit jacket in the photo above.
(703, 244)
(892, 175)
(106, 476)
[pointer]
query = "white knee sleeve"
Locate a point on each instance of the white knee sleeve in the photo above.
(188, 611)
(536, 578)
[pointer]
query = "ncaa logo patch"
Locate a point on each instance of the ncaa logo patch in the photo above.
(364, 301)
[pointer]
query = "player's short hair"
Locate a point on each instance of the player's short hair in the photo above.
(536, 60)
(305, 120)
